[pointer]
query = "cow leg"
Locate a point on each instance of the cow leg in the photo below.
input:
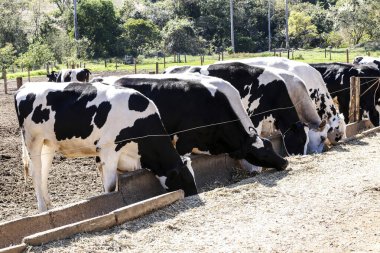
(107, 166)
(35, 148)
(47, 160)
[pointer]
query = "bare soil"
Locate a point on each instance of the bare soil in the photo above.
(322, 203)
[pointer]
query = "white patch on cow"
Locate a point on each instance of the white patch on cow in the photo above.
(258, 144)
(63, 74)
(365, 115)
(199, 152)
(250, 167)
(267, 77)
(211, 88)
(129, 158)
(162, 180)
(187, 161)
(175, 139)
(307, 129)
(204, 71)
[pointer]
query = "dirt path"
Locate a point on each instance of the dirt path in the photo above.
(324, 203)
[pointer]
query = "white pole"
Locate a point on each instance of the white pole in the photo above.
(232, 25)
(286, 25)
(269, 32)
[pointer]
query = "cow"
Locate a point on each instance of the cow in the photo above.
(205, 115)
(119, 126)
(367, 60)
(70, 75)
(273, 95)
(316, 88)
(337, 78)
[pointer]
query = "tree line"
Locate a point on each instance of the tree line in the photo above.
(32, 34)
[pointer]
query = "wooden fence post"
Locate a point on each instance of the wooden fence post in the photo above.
(164, 62)
(116, 64)
(222, 56)
(330, 53)
(105, 63)
(347, 56)
(5, 80)
(325, 52)
(28, 74)
(354, 99)
(185, 59)
(280, 54)
(288, 54)
(19, 82)
(156, 67)
(134, 62)
(292, 54)
(201, 60)
(274, 52)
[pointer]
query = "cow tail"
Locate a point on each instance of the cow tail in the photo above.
(25, 158)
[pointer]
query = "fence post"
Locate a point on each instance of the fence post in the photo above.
(47, 68)
(84, 65)
(330, 53)
(292, 54)
(80, 64)
(347, 56)
(19, 82)
(288, 54)
(354, 99)
(67, 65)
(280, 53)
(28, 74)
(222, 56)
(105, 63)
(156, 67)
(164, 62)
(5, 80)
(325, 52)
(134, 62)
(174, 58)
(274, 52)
(185, 59)
(116, 64)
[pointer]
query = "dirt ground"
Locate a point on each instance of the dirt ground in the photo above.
(321, 203)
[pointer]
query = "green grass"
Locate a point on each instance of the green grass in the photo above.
(149, 64)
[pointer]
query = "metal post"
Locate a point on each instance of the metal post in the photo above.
(232, 25)
(286, 25)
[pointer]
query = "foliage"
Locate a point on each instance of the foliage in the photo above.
(301, 30)
(97, 21)
(7, 55)
(140, 35)
(37, 55)
(180, 37)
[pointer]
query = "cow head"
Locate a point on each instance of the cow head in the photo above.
(260, 152)
(182, 178)
(337, 129)
(52, 76)
(317, 137)
(296, 139)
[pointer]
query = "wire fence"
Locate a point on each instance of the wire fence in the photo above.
(376, 82)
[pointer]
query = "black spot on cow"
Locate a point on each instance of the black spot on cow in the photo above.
(97, 159)
(25, 108)
(134, 131)
(70, 105)
(96, 142)
(102, 113)
(138, 103)
(39, 116)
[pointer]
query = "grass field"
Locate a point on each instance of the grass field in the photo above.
(149, 64)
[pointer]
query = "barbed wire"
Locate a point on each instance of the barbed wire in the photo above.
(209, 125)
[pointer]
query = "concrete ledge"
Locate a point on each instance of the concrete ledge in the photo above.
(90, 225)
(99, 223)
(14, 249)
(138, 209)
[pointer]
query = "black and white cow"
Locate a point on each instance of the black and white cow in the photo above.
(337, 77)
(205, 114)
(69, 75)
(273, 98)
(316, 88)
(100, 121)
(367, 60)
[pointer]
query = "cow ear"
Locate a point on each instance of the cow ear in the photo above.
(322, 125)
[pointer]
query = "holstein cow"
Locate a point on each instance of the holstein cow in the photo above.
(316, 88)
(337, 77)
(69, 75)
(273, 97)
(205, 115)
(367, 60)
(118, 126)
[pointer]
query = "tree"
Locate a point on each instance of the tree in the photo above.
(98, 22)
(12, 24)
(37, 55)
(179, 37)
(301, 30)
(140, 35)
(7, 55)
